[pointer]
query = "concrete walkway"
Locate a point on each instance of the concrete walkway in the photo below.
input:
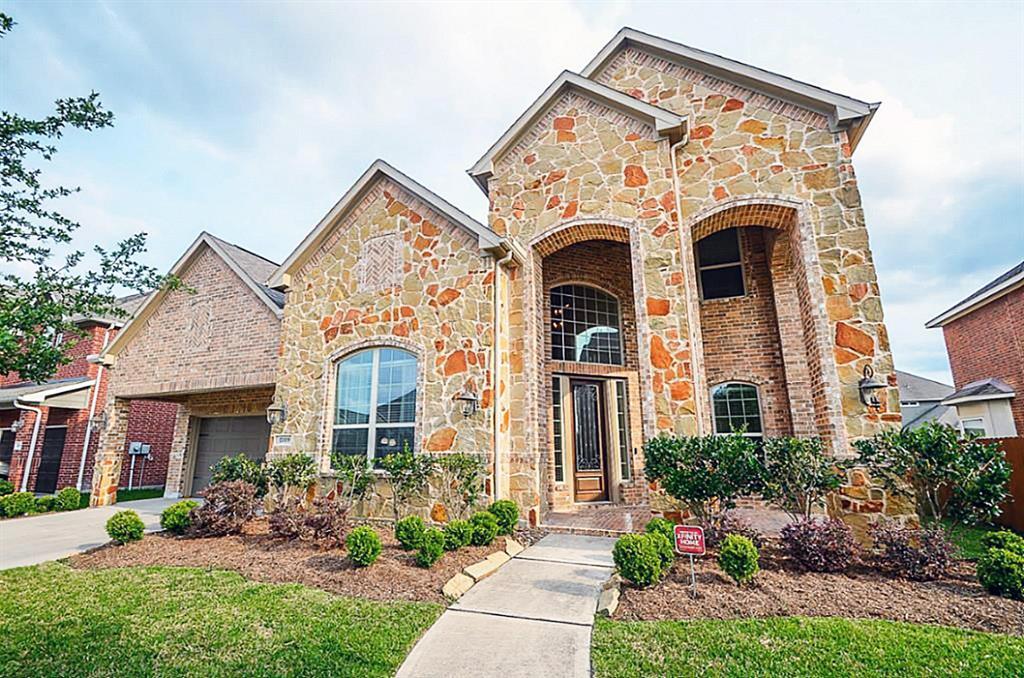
(533, 617)
(36, 539)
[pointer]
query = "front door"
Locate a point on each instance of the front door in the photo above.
(589, 441)
(49, 461)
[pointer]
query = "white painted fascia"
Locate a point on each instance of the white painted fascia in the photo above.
(38, 397)
(979, 398)
(970, 305)
(665, 122)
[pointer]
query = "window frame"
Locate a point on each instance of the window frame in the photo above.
(979, 420)
(620, 338)
(740, 262)
(760, 409)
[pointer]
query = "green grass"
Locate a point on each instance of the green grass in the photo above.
(968, 538)
(130, 495)
(162, 621)
(795, 646)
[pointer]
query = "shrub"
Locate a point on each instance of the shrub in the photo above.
(363, 545)
(125, 526)
(460, 481)
(431, 547)
(6, 487)
(240, 467)
(326, 522)
(1001, 572)
(664, 547)
(409, 532)
(916, 554)
(661, 526)
(408, 476)
(292, 471)
(68, 499)
(178, 516)
(485, 528)
(820, 546)
(637, 559)
(355, 478)
(506, 512)
(287, 520)
(226, 509)
(716, 531)
(797, 475)
(45, 504)
(1004, 539)
(738, 558)
(457, 533)
(17, 504)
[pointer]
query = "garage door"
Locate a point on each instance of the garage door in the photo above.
(225, 437)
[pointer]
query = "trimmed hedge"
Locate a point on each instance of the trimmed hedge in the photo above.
(1001, 572)
(68, 499)
(177, 517)
(409, 532)
(363, 544)
(485, 528)
(457, 533)
(506, 512)
(738, 558)
(637, 558)
(125, 526)
(431, 547)
(17, 504)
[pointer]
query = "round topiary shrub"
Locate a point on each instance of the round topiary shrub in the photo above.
(663, 547)
(1004, 539)
(409, 532)
(68, 499)
(637, 559)
(45, 504)
(457, 533)
(6, 488)
(177, 517)
(431, 547)
(1001, 572)
(363, 544)
(661, 526)
(820, 546)
(485, 528)
(17, 504)
(125, 526)
(506, 512)
(738, 558)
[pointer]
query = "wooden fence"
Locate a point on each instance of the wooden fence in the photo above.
(1013, 511)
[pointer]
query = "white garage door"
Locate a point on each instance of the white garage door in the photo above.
(226, 437)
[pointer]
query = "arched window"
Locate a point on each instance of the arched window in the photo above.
(737, 405)
(375, 403)
(585, 325)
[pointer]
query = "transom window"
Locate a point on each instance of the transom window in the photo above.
(375, 403)
(720, 265)
(737, 407)
(585, 325)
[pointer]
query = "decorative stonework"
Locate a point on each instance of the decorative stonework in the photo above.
(380, 263)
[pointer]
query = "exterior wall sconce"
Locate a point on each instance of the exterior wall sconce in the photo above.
(17, 425)
(469, 401)
(277, 414)
(868, 385)
(99, 421)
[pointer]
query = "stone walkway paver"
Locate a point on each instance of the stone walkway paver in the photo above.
(533, 617)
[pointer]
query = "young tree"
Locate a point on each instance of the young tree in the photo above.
(47, 296)
(798, 474)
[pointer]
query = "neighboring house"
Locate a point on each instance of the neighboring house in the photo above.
(921, 401)
(675, 244)
(984, 336)
(47, 431)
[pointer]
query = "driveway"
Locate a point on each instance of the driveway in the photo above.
(36, 539)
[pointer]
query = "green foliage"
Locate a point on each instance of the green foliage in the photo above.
(1004, 539)
(431, 547)
(240, 467)
(637, 558)
(68, 499)
(125, 526)
(738, 558)
(933, 458)
(457, 533)
(664, 548)
(661, 526)
(177, 517)
(6, 487)
(45, 504)
(460, 481)
(17, 504)
(797, 475)
(408, 476)
(485, 528)
(1001, 572)
(363, 544)
(292, 471)
(708, 473)
(354, 478)
(506, 512)
(409, 532)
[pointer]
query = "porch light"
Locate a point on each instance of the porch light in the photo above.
(469, 401)
(868, 385)
(276, 414)
(17, 425)
(99, 421)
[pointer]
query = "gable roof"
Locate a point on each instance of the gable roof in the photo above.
(1002, 285)
(983, 389)
(843, 112)
(38, 393)
(487, 239)
(666, 123)
(128, 304)
(914, 387)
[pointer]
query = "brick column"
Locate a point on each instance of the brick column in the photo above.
(109, 453)
(175, 484)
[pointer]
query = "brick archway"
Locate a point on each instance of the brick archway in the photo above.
(773, 213)
(572, 232)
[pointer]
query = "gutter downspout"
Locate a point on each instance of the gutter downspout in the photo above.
(498, 265)
(92, 412)
(32, 446)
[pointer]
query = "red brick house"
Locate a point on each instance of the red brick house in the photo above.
(984, 336)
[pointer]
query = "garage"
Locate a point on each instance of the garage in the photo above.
(226, 437)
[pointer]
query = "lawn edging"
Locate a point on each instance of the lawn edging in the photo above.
(471, 575)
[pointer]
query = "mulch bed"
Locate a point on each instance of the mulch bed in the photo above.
(781, 589)
(260, 557)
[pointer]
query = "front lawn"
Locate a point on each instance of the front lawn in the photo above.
(130, 495)
(795, 646)
(55, 620)
(968, 538)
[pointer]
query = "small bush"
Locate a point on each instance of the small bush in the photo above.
(1001, 572)
(715, 532)
(68, 499)
(431, 547)
(1004, 539)
(226, 509)
(664, 547)
(363, 545)
(661, 526)
(326, 523)
(240, 467)
(409, 532)
(45, 504)
(820, 546)
(919, 555)
(17, 504)
(125, 526)
(295, 470)
(287, 520)
(457, 533)
(178, 516)
(506, 512)
(637, 559)
(738, 558)
(485, 528)
(6, 488)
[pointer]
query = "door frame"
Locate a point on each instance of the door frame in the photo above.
(602, 435)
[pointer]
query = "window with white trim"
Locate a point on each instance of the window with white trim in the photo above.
(974, 426)
(737, 407)
(720, 265)
(375, 403)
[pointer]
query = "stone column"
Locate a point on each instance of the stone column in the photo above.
(109, 453)
(176, 464)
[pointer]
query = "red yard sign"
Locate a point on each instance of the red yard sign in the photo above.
(690, 540)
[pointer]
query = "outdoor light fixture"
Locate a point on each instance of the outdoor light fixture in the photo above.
(99, 421)
(868, 385)
(276, 414)
(17, 425)
(469, 401)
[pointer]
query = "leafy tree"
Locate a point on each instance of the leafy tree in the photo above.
(44, 302)
(797, 475)
(460, 481)
(408, 476)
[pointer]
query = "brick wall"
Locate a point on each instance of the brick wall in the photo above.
(151, 422)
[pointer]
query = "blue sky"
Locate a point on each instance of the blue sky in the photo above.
(249, 120)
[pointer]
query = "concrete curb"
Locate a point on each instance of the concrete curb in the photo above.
(457, 586)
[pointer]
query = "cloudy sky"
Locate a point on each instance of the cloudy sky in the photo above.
(249, 120)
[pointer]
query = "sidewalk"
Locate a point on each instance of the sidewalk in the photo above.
(533, 617)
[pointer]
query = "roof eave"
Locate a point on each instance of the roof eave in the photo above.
(978, 398)
(970, 305)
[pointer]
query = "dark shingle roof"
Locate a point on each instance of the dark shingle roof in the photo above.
(977, 295)
(914, 387)
(257, 267)
(983, 388)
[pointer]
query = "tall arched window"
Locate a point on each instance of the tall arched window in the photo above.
(737, 405)
(585, 325)
(375, 403)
